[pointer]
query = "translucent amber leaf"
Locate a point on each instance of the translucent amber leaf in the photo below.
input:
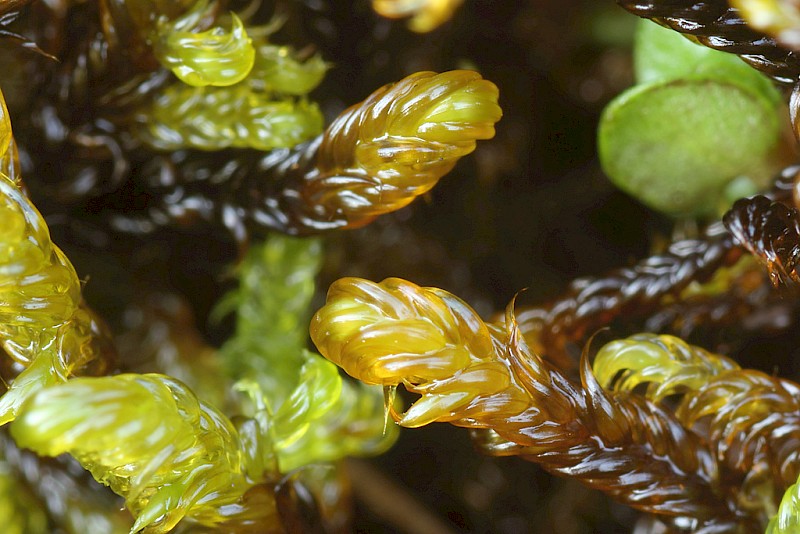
(380, 333)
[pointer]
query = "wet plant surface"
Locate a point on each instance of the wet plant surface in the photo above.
(529, 209)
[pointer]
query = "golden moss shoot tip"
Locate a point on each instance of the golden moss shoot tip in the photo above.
(398, 142)
(426, 15)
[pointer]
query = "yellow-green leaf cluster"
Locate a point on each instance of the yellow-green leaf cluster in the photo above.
(260, 111)
(43, 323)
(271, 307)
(152, 441)
(313, 414)
(214, 57)
(195, 39)
(667, 364)
(232, 91)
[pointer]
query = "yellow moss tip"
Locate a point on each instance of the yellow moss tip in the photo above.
(385, 333)
(456, 107)
(213, 57)
(426, 15)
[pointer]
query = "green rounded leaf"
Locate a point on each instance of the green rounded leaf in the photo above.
(676, 144)
(662, 54)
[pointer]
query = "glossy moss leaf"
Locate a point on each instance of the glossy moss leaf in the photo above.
(709, 457)
(312, 414)
(318, 387)
(192, 117)
(9, 157)
(258, 112)
(44, 326)
(5, 127)
(483, 375)
(787, 520)
(355, 425)
(213, 57)
(662, 54)
(770, 231)
(675, 145)
(324, 419)
(379, 155)
(40, 288)
(154, 443)
(375, 157)
(668, 365)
